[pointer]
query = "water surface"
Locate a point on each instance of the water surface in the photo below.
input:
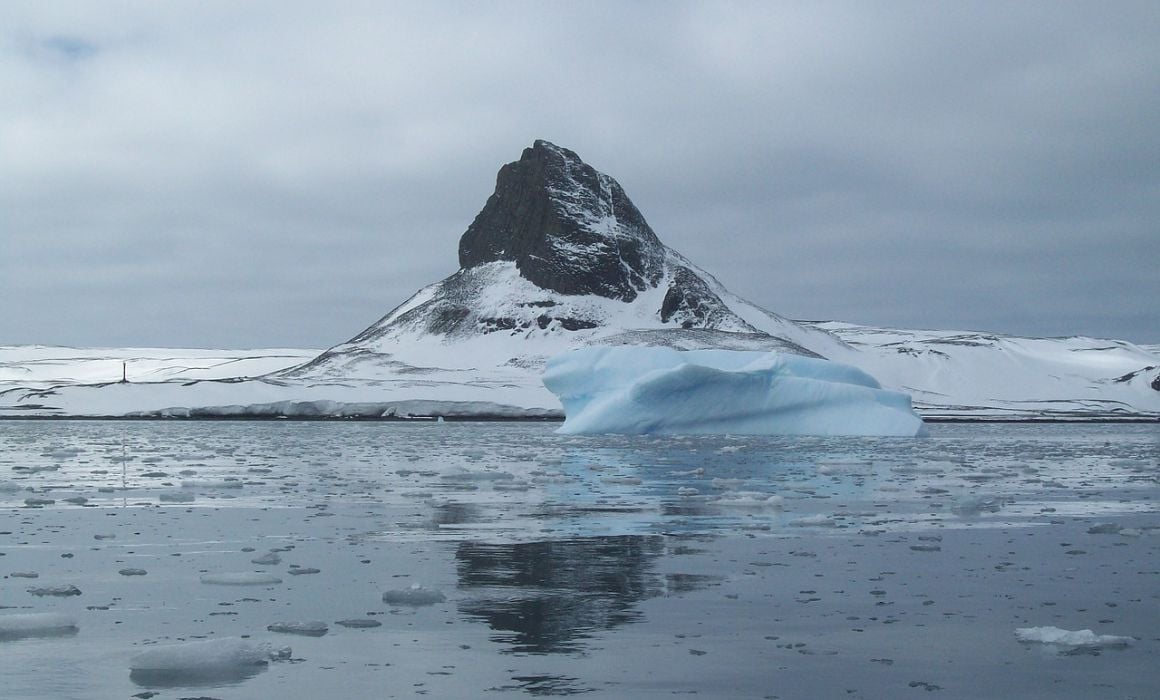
(609, 566)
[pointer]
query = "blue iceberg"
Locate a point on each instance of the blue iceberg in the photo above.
(638, 390)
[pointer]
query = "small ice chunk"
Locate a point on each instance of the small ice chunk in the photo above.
(58, 591)
(621, 480)
(211, 484)
(359, 623)
(24, 574)
(35, 625)
(315, 628)
(176, 497)
(1078, 638)
(750, 499)
(267, 559)
(132, 572)
(416, 596)
(240, 578)
(1105, 529)
(814, 521)
(190, 663)
(303, 570)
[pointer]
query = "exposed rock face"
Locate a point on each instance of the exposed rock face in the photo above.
(567, 227)
(558, 258)
(690, 303)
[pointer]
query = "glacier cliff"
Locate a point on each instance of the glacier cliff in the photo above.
(639, 390)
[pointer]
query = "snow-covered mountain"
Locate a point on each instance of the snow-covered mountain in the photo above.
(558, 258)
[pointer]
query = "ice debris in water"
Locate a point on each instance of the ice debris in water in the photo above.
(641, 390)
(750, 499)
(207, 655)
(58, 591)
(814, 521)
(176, 497)
(267, 559)
(1078, 638)
(227, 483)
(359, 623)
(35, 625)
(416, 595)
(314, 628)
(240, 578)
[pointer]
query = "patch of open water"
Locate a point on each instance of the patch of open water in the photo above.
(558, 565)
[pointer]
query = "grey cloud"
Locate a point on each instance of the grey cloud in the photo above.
(285, 173)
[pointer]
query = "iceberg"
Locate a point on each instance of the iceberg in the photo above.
(207, 662)
(641, 390)
(1071, 638)
(22, 625)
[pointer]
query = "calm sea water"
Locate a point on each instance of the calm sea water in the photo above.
(606, 566)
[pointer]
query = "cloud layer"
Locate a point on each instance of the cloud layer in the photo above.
(283, 173)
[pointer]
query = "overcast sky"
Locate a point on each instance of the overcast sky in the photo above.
(260, 174)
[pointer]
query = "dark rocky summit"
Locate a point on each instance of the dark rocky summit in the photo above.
(560, 252)
(567, 227)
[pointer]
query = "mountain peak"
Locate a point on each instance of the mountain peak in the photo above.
(567, 227)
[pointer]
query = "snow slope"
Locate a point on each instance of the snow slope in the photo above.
(47, 364)
(949, 374)
(957, 374)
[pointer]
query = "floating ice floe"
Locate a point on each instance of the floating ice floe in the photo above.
(359, 623)
(57, 591)
(315, 628)
(240, 578)
(267, 559)
(211, 484)
(202, 662)
(1077, 638)
(176, 497)
(814, 521)
(749, 499)
(641, 390)
(416, 596)
(22, 625)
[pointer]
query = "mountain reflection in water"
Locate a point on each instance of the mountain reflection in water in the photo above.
(547, 597)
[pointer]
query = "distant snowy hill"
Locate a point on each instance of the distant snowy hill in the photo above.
(559, 258)
(955, 374)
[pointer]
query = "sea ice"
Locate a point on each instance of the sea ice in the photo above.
(58, 591)
(640, 390)
(240, 578)
(267, 559)
(359, 623)
(315, 628)
(209, 659)
(750, 499)
(416, 595)
(1078, 638)
(35, 625)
